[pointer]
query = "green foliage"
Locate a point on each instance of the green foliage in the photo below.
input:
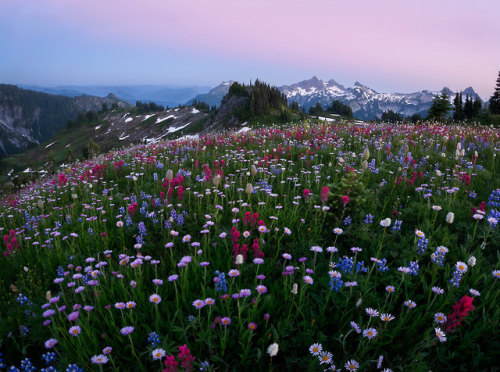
(494, 103)
(391, 117)
(341, 109)
(91, 150)
(440, 107)
(75, 226)
(316, 110)
(147, 107)
(258, 100)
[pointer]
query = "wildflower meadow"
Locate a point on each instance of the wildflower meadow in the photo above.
(327, 246)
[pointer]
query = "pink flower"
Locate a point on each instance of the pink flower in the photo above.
(324, 194)
(307, 194)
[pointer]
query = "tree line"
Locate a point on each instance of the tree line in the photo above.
(336, 108)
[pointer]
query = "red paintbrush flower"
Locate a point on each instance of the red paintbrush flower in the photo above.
(460, 311)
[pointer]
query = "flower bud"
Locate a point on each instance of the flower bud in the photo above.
(40, 203)
(239, 259)
(216, 180)
(272, 350)
(364, 165)
(295, 288)
(366, 154)
(450, 217)
(253, 170)
(471, 261)
(170, 175)
(386, 222)
(249, 188)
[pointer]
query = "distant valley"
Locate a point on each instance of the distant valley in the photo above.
(28, 118)
(165, 95)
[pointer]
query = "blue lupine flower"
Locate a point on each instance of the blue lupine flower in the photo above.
(335, 280)
(456, 277)
(142, 228)
(23, 300)
(438, 255)
(49, 357)
(74, 368)
(413, 268)
(153, 338)
(347, 221)
(493, 218)
(382, 265)
(397, 225)
(60, 271)
(204, 366)
(27, 365)
(368, 219)
(360, 266)
(2, 364)
(47, 369)
(422, 245)
(345, 265)
(23, 330)
(494, 199)
(220, 282)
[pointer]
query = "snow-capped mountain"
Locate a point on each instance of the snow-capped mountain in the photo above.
(366, 103)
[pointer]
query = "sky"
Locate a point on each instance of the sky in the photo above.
(389, 45)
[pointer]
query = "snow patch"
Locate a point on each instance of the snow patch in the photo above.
(96, 128)
(172, 130)
(194, 111)
(244, 129)
(159, 120)
(128, 119)
(50, 144)
(148, 116)
(121, 138)
(327, 119)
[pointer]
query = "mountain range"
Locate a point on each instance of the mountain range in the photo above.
(365, 102)
(165, 95)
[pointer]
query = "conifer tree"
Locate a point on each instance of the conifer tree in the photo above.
(440, 107)
(477, 106)
(468, 108)
(495, 98)
(457, 102)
